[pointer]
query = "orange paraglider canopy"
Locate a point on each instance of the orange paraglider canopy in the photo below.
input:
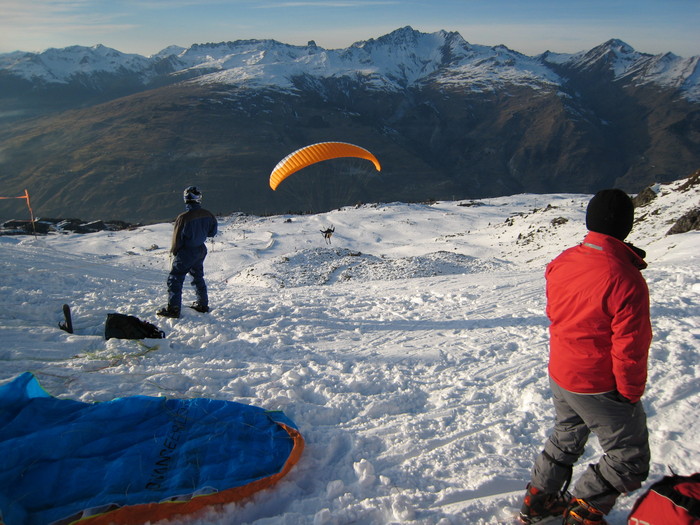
(308, 155)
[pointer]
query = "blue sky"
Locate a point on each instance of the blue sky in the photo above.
(529, 26)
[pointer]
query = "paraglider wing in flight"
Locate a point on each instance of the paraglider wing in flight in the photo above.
(308, 155)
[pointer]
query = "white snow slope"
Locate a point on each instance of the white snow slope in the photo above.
(411, 352)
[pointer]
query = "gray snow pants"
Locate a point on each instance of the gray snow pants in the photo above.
(621, 429)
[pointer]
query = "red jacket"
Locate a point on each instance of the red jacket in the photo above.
(598, 305)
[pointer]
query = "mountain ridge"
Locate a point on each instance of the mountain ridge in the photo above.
(60, 65)
(448, 120)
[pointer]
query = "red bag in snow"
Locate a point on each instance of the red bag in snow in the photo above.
(674, 500)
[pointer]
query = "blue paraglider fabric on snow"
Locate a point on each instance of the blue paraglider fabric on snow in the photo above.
(59, 457)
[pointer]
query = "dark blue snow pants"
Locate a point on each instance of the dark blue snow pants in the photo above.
(621, 429)
(187, 260)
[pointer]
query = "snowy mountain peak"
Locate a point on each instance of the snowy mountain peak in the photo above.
(624, 63)
(393, 62)
(169, 51)
(614, 55)
(61, 65)
(412, 41)
(402, 36)
(616, 47)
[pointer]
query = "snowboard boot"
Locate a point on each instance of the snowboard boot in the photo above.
(169, 311)
(538, 505)
(200, 307)
(580, 512)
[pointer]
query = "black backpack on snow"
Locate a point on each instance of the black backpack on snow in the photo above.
(121, 326)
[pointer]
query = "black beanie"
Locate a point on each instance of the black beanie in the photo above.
(610, 212)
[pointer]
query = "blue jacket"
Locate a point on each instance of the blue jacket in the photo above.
(192, 228)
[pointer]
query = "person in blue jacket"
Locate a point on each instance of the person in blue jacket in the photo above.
(189, 250)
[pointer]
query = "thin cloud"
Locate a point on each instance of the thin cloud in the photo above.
(326, 3)
(42, 24)
(14, 9)
(40, 13)
(174, 4)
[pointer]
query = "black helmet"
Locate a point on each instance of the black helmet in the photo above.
(192, 195)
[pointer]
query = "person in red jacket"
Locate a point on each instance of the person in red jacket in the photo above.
(600, 333)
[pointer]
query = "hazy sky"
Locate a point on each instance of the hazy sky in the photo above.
(529, 26)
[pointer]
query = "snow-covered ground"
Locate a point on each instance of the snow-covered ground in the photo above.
(411, 352)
